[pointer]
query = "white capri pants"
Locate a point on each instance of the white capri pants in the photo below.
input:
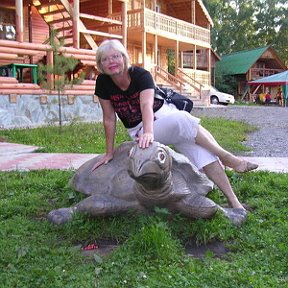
(178, 128)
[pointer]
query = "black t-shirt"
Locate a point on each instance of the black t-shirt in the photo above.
(127, 103)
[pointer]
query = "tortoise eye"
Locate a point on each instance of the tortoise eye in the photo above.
(161, 157)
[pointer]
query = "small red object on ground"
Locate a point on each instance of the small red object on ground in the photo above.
(90, 247)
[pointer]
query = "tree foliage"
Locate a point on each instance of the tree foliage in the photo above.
(62, 69)
(247, 24)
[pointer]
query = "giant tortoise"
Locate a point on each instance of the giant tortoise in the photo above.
(140, 180)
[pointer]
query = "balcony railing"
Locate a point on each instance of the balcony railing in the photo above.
(257, 73)
(165, 26)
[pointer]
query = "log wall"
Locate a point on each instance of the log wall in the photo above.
(19, 51)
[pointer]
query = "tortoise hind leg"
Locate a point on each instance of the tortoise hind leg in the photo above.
(61, 215)
(95, 205)
(236, 215)
(197, 206)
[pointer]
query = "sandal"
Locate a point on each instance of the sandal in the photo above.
(245, 166)
(242, 165)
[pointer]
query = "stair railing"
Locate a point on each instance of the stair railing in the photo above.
(169, 78)
(190, 81)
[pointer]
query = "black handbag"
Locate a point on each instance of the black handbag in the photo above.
(179, 100)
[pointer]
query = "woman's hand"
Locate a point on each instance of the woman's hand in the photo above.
(145, 140)
(104, 160)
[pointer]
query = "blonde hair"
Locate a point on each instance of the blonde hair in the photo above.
(108, 45)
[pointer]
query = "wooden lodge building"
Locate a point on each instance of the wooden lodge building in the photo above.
(248, 65)
(152, 31)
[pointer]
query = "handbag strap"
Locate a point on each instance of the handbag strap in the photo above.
(163, 94)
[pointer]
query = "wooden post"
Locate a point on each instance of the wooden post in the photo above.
(209, 64)
(50, 60)
(30, 30)
(156, 63)
(124, 24)
(19, 21)
(195, 57)
(176, 57)
(76, 36)
(30, 22)
(144, 36)
(156, 50)
(193, 16)
(110, 7)
(144, 49)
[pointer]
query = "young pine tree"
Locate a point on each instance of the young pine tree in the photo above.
(62, 69)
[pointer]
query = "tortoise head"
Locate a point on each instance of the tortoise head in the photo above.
(150, 167)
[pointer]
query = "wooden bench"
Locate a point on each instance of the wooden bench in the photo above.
(11, 70)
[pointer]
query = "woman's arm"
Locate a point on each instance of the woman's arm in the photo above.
(109, 122)
(146, 105)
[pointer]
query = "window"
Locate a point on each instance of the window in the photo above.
(7, 24)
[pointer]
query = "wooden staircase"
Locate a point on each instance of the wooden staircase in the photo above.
(58, 15)
(58, 18)
(192, 89)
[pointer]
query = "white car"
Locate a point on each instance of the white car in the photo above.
(217, 97)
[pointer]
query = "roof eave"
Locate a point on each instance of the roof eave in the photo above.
(206, 13)
(269, 83)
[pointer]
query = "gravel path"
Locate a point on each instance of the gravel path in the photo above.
(270, 140)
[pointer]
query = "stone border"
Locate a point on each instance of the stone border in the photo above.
(25, 111)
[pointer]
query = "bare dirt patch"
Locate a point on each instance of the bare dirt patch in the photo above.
(105, 247)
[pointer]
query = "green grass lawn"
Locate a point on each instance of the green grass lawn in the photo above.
(35, 253)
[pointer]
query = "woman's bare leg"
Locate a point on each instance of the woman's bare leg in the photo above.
(216, 173)
(206, 140)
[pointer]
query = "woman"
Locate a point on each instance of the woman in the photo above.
(128, 92)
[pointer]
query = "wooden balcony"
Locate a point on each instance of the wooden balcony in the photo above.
(257, 73)
(164, 26)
